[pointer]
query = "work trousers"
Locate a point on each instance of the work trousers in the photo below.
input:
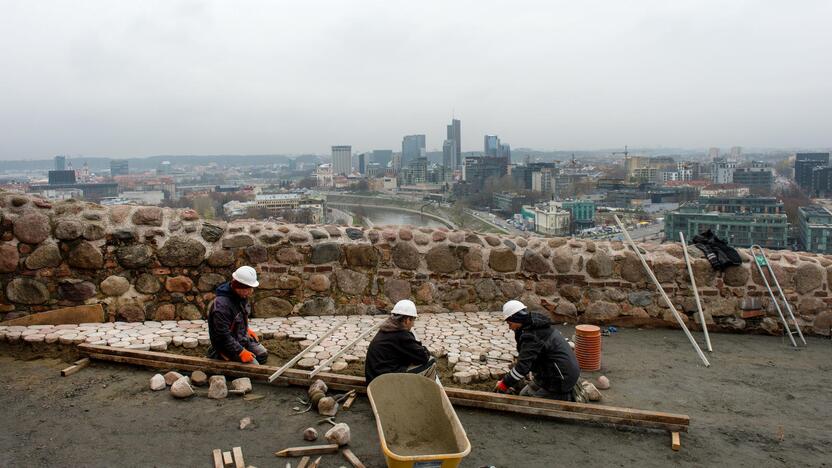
(534, 390)
(427, 369)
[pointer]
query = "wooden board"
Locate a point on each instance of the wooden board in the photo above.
(217, 454)
(561, 410)
(79, 364)
(304, 462)
(226, 458)
(350, 401)
(354, 461)
(93, 313)
(675, 442)
(307, 450)
(238, 457)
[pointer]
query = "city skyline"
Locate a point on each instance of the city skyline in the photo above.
(124, 80)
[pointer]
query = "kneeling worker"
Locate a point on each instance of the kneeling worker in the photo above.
(231, 339)
(542, 351)
(395, 348)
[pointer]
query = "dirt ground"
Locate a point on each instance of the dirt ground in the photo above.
(759, 404)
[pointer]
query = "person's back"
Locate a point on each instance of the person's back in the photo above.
(555, 367)
(395, 348)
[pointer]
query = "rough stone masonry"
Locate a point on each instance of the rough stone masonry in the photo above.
(155, 264)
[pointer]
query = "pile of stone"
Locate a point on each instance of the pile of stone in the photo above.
(183, 386)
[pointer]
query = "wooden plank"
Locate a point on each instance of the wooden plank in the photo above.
(567, 416)
(350, 401)
(217, 454)
(307, 450)
(315, 463)
(79, 364)
(354, 461)
(226, 458)
(304, 462)
(93, 313)
(298, 357)
(675, 442)
(238, 457)
(463, 397)
(696, 293)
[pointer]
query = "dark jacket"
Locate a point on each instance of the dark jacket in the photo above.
(393, 349)
(544, 352)
(228, 322)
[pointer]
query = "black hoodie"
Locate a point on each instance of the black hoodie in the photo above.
(544, 352)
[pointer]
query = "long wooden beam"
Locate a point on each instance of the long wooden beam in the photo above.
(555, 409)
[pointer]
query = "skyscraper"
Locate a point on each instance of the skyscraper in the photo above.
(803, 165)
(341, 160)
(491, 145)
(455, 134)
(60, 163)
(362, 160)
(449, 155)
(383, 157)
(413, 147)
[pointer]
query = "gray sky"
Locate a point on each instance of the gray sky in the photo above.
(119, 78)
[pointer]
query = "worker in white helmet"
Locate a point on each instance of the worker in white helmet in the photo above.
(544, 352)
(231, 338)
(395, 347)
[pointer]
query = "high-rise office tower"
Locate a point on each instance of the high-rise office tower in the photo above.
(713, 153)
(455, 134)
(449, 155)
(736, 152)
(505, 152)
(362, 161)
(382, 157)
(341, 160)
(491, 145)
(413, 147)
(60, 163)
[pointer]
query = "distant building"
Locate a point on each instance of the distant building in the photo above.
(491, 146)
(803, 165)
(450, 157)
(164, 168)
(416, 172)
(362, 161)
(643, 169)
(821, 182)
(713, 153)
(722, 171)
(91, 192)
(235, 208)
(543, 181)
(551, 219)
(724, 190)
(324, 176)
(119, 167)
(740, 221)
(477, 170)
(382, 157)
(815, 229)
(60, 163)
(505, 152)
(736, 153)
(342, 160)
(455, 134)
(582, 214)
(758, 176)
(375, 170)
(413, 147)
(150, 197)
(294, 207)
(508, 203)
(61, 177)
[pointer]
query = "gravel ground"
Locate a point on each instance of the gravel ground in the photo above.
(759, 404)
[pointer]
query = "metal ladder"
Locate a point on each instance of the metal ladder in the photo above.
(761, 261)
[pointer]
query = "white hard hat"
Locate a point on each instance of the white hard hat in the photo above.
(246, 275)
(512, 307)
(405, 307)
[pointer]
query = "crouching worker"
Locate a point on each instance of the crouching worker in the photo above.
(542, 351)
(231, 339)
(395, 348)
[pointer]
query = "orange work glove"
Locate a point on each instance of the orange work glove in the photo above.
(246, 356)
(252, 335)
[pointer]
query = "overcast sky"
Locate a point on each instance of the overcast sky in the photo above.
(139, 78)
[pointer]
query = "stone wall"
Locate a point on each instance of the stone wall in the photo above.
(148, 263)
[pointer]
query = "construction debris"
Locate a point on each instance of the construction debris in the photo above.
(182, 388)
(245, 422)
(77, 365)
(310, 434)
(217, 388)
(350, 401)
(354, 461)
(603, 383)
(338, 434)
(157, 382)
